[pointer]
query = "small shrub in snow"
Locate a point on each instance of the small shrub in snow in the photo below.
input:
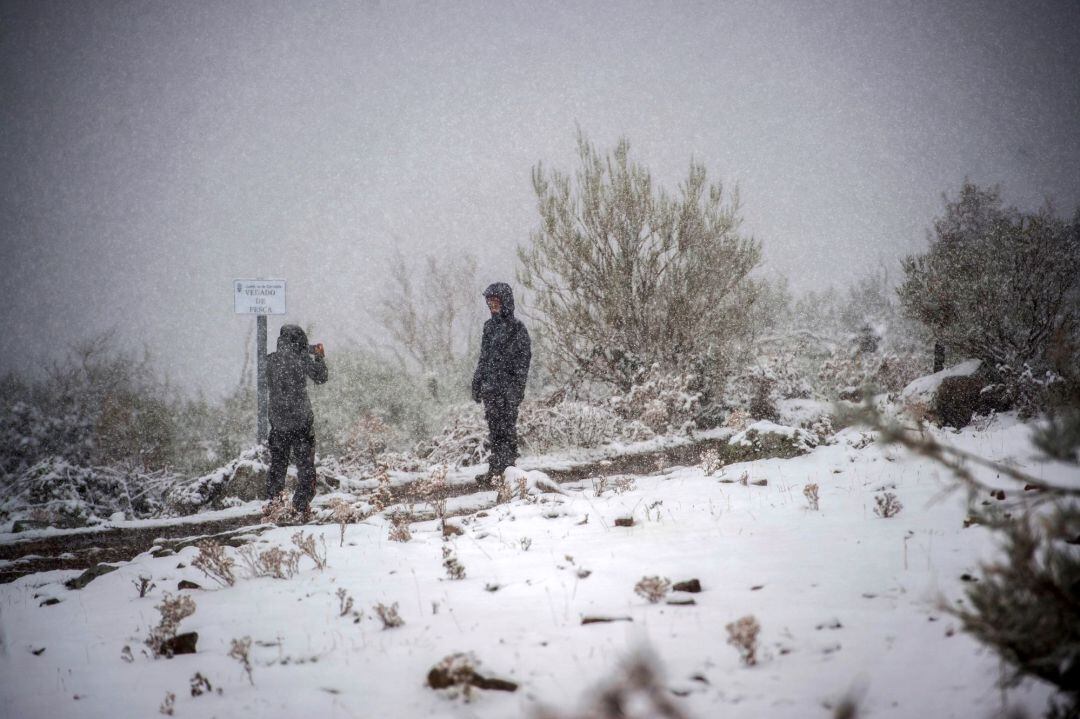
(454, 568)
(653, 588)
(710, 461)
(305, 544)
(523, 491)
(143, 585)
(344, 514)
(738, 420)
(240, 650)
(599, 485)
(810, 491)
(887, 505)
(166, 707)
(623, 484)
(273, 562)
(278, 510)
(389, 615)
(214, 563)
(399, 528)
(430, 487)
(525, 543)
(345, 602)
(200, 685)
(173, 611)
(504, 492)
(743, 634)
(822, 427)
(365, 439)
(381, 496)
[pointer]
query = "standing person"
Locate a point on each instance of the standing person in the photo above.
(499, 380)
(291, 418)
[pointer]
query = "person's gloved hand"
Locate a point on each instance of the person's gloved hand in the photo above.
(320, 351)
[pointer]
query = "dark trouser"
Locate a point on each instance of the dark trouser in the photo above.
(501, 415)
(300, 444)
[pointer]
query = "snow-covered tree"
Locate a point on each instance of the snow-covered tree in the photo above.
(1003, 286)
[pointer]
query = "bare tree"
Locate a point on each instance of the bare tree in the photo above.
(625, 275)
(432, 315)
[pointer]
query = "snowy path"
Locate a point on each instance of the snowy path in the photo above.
(45, 550)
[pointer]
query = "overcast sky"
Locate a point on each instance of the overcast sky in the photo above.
(151, 152)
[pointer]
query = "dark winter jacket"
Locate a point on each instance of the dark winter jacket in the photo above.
(505, 352)
(287, 372)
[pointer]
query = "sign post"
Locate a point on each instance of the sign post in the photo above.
(260, 298)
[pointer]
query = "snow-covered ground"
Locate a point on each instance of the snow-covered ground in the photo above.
(847, 602)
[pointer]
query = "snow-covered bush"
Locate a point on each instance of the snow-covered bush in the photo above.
(774, 440)
(743, 635)
(64, 494)
(652, 588)
(214, 562)
(389, 615)
(661, 400)
(569, 423)
(454, 568)
(272, 562)
(461, 440)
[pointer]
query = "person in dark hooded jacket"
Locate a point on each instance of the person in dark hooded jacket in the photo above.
(291, 418)
(499, 379)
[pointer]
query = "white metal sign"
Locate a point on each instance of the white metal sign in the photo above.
(259, 297)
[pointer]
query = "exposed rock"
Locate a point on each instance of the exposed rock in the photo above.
(23, 525)
(247, 482)
(768, 439)
(603, 620)
(953, 395)
(450, 673)
(690, 585)
(624, 521)
(185, 584)
(180, 644)
(956, 400)
(88, 576)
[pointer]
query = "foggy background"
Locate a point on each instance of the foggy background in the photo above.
(152, 152)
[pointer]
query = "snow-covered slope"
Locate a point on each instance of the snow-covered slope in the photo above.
(846, 600)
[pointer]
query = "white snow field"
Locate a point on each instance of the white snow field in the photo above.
(848, 602)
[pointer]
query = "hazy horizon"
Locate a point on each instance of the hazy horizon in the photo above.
(155, 152)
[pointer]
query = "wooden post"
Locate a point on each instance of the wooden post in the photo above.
(262, 389)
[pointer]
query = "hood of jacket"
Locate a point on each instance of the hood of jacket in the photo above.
(292, 339)
(505, 295)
